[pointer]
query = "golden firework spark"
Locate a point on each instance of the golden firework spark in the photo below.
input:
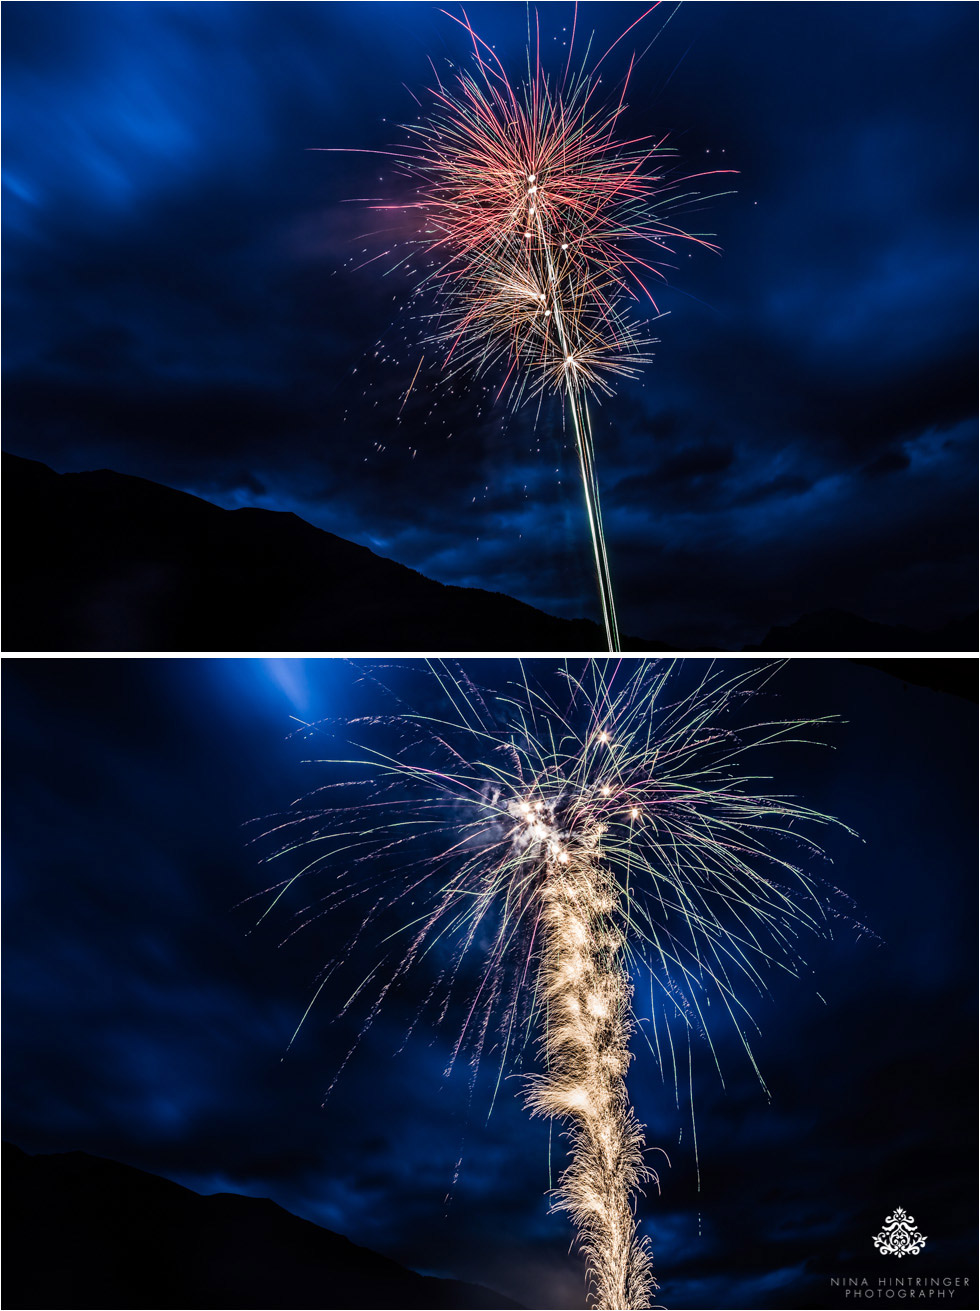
(558, 844)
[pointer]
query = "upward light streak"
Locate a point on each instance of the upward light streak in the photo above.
(543, 230)
(585, 1044)
(537, 851)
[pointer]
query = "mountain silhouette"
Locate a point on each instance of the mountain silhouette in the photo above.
(837, 630)
(84, 1232)
(106, 562)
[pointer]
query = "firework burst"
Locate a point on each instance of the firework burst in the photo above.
(543, 230)
(557, 844)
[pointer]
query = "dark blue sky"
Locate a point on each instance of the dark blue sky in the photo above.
(143, 1022)
(183, 301)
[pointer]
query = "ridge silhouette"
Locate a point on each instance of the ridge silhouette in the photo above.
(82, 1231)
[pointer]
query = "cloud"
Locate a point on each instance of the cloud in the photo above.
(190, 300)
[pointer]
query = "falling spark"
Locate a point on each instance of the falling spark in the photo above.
(542, 230)
(559, 843)
(411, 384)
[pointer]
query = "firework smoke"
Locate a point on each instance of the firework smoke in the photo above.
(562, 844)
(534, 217)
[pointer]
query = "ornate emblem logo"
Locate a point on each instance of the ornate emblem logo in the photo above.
(900, 1237)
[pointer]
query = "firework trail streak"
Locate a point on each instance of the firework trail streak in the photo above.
(586, 1053)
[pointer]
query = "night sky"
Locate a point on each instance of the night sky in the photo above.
(146, 1023)
(184, 301)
